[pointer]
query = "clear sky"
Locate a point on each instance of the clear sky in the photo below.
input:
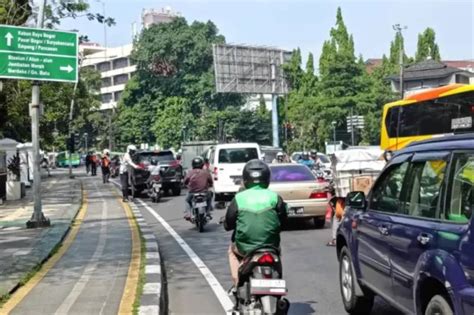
(305, 23)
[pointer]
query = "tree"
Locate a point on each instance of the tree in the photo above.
(426, 46)
(174, 68)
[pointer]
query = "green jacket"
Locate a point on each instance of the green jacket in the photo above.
(255, 215)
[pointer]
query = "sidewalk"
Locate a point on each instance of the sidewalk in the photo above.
(22, 249)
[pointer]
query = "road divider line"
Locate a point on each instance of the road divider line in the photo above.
(130, 290)
(216, 287)
(23, 291)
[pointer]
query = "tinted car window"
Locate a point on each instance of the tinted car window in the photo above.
(431, 117)
(461, 194)
(424, 189)
(387, 195)
(323, 158)
(155, 157)
(291, 173)
(237, 155)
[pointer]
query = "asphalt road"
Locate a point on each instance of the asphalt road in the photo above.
(310, 267)
(90, 277)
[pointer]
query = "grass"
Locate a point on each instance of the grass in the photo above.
(141, 277)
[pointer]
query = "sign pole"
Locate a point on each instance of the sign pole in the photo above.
(37, 219)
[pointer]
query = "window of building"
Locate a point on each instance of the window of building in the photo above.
(461, 183)
(103, 66)
(387, 194)
(106, 98)
(120, 63)
(120, 79)
(117, 95)
(106, 82)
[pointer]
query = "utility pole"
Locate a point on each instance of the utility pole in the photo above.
(275, 124)
(37, 219)
(399, 29)
(352, 126)
(334, 134)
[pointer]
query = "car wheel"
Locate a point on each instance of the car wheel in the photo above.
(319, 222)
(352, 303)
(438, 305)
(176, 191)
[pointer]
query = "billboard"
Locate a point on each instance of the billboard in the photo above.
(250, 69)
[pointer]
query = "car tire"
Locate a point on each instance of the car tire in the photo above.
(319, 222)
(438, 305)
(354, 305)
(176, 191)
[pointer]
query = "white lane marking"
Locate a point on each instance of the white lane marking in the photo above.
(149, 310)
(149, 269)
(149, 237)
(151, 246)
(219, 291)
(81, 283)
(152, 288)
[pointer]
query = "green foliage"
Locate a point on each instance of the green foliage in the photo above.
(426, 46)
(173, 87)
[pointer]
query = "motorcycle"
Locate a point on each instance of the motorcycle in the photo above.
(154, 183)
(261, 289)
(199, 206)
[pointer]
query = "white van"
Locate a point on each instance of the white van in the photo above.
(226, 162)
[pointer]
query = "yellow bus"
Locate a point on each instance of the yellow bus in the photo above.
(434, 112)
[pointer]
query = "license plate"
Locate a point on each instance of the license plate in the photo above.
(268, 286)
(201, 204)
(296, 211)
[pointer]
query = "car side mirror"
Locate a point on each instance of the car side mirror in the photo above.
(356, 200)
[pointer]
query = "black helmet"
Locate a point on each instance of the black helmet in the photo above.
(197, 162)
(256, 172)
(314, 152)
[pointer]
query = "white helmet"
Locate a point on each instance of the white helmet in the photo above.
(106, 151)
(280, 154)
(131, 147)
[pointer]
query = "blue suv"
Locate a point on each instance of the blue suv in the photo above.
(411, 239)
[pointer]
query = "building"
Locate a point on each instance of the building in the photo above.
(114, 64)
(152, 16)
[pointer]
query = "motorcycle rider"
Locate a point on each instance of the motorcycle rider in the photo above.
(198, 180)
(305, 160)
(126, 166)
(255, 215)
(280, 158)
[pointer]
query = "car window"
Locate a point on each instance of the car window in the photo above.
(461, 194)
(387, 193)
(237, 155)
(155, 157)
(424, 189)
(323, 158)
(291, 173)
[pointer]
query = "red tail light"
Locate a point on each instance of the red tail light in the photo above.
(215, 173)
(318, 195)
(142, 165)
(174, 163)
(265, 259)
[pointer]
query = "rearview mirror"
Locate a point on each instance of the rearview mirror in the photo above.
(356, 200)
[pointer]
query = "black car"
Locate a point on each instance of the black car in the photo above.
(171, 171)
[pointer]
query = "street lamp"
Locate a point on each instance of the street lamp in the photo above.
(85, 141)
(334, 124)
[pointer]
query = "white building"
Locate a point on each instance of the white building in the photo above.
(115, 64)
(116, 69)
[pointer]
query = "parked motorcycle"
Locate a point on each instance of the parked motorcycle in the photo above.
(261, 289)
(154, 183)
(199, 206)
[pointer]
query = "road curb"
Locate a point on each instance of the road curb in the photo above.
(153, 299)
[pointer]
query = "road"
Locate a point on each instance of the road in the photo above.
(310, 267)
(91, 275)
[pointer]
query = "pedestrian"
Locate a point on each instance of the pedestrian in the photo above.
(105, 164)
(126, 166)
(94, 165)
(88, 163)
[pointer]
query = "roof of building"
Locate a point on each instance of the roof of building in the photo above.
(428, 69)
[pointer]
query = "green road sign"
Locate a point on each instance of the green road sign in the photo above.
(38, 54)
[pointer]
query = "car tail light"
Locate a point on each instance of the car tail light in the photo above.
(156, 178)
(266, 259)
(174, 163)
(215, 173)
(318, 195)
(142, 165)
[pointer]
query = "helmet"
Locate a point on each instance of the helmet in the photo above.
(106, 152)
(280, 154)
(305, 155)
(131, 148)
(256, 172)
(314, 152)
(197, 162)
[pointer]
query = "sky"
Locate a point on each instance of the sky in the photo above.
(306, 24)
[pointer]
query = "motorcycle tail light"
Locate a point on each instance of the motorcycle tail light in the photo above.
(156, 177)
(266, 258)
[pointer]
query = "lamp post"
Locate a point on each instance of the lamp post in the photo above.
(334, 123)
(86, 135)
